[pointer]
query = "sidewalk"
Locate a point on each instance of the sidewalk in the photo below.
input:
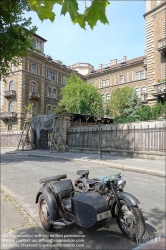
(18, 230)
(151, 167)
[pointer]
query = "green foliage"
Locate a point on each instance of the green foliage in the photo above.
(80, 97)
(95, 12)
(132, 107)
(16, 31)
(119, 99)
(158, 110)
(145, 113)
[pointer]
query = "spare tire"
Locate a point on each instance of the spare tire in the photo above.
(53, 178)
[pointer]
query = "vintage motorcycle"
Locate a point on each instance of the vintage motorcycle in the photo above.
(62, 203)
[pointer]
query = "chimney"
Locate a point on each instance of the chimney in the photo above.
(145, 52)
(124, 58)
(100, 66)
(114, 61)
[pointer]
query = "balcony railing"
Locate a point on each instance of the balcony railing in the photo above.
(162, 46)
(9, 94)
(160, 89)
(33, 95)
(8, 115)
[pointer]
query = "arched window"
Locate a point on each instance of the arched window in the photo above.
(49, 91)
(10, 127)
(143, 90)
(138, 92)
(103, 98)
(11, 85)
(33, 86)
(54, 93)
(11, 106)
(48, 110)
(108, 96)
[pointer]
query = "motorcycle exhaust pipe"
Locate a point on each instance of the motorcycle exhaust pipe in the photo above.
(58, 223)
(61, 223)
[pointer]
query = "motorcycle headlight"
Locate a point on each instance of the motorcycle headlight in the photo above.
(121, 184)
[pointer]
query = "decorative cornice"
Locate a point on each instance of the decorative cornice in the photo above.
(154, 9)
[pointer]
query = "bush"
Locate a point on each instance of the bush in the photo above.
(145, 113)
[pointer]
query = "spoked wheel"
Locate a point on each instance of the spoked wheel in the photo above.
(44, 213)
(132, 223)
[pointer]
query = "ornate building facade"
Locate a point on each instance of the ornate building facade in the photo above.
(38, 80)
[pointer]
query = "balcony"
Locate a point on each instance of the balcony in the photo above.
(160, 90)
(9, 94)
(8, 116)
(162, 46)
(34, 95)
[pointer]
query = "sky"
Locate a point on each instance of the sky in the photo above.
(124, 36)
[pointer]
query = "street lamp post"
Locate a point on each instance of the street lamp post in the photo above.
(99, 153)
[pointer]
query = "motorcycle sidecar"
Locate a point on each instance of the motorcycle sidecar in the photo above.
(89, 208)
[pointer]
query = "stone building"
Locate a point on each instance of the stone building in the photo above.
(146, 74)
(37, 80)
(121, 73)
(155, 18)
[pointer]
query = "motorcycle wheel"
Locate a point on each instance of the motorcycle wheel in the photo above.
(132, 224)
(44, 213)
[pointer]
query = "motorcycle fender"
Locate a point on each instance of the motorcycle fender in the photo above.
(51, 202)
(133, 201)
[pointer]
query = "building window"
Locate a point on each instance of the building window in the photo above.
(103, 98)
(12, 67)
(34, 44)
(59, 77)
(33, 68)
(10, 127)
(48, 110)
(143, 90)
(33, 87)
(54, 93)
(108, 97)
(34, 108)
(137, 92)
(51, 76)
(11, 106)
(140, 75)
(105, 83)
(64, 79)
(49, 91)
(121, 79)
(11, 85)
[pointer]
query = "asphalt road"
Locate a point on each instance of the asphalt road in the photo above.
(20, 176)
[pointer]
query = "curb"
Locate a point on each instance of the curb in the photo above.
(104, 163)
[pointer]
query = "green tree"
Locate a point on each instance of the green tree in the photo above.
(80, 97)
(119, 99)
(15, 33)
(95, 12)
(132, 107)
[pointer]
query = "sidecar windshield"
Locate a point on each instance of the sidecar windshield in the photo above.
(105, 179)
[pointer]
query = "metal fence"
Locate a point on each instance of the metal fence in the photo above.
(135, 139)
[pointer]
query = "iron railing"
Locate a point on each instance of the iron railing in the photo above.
(136, 139)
